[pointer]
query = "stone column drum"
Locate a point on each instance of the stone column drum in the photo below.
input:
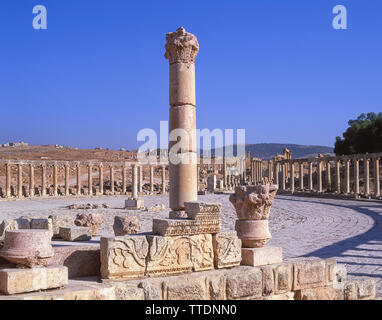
(181, 50)
(28, 247)
(252, 205)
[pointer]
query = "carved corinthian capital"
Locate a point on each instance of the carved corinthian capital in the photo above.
(181, 46)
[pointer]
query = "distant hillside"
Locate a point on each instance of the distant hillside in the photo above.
(269, 150)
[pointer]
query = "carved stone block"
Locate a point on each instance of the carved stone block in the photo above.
(202, 252)
(227, 249)
(182, 227)
(168, 255)
(123, 257)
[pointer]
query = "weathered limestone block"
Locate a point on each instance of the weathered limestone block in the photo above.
(336, 275)
(156, 208)
(193, 288)
(283, 296)
(125, 292)
(8, 225)
(27, 247)
(202, 252)
(283, 277)
(211, 183)
(244, 283)
(216, 285)
(13, 281)
(268, 280)
(135, 204)
(180, 214)
(91, 220)
(124, 225)
(253, 202)
(202, 211)
(168, 255)
(319, 293)
(60, 220)
(261, 256)
(309, 273)
(227, 249)
(123, 257)
(152, 289)
(75, 233)
(42, 223)
(179, 227)
(364, 289)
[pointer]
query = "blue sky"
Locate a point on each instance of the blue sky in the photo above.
(276, 68)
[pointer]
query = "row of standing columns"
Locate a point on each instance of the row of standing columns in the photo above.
(334, 171)
(137, 178)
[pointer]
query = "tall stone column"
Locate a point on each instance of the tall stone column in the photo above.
(8, 168)
(283, 180)
(19, 180)
(151, 179)
(100, 172)
(356, 177)
(31, 180)
(310, 173)
(124, 184)
(366, 168)
(347, 176)
(338, 176)
(181, 51)
(90, 179)
(277, 174)
(67, 178)
(301, 176)
(328, 177)
(225, 173)
(319, 176)
(43, 179)
(377, 182)
(78, 179)
(55, 180)
(140, 179)
(270, 178)
(134, 188)
(292, 177)
(111, 179)
(163, 179)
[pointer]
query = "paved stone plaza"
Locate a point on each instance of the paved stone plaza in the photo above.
(303, 226)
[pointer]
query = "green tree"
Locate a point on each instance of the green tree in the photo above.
(364, 135)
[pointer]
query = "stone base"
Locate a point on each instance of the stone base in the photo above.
(261, 256)
(75, 233)
(273, 282)
(13, 281)
(135, 204)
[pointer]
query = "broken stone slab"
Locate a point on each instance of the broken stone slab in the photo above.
(227, 249)
(123, 257)
(14, 224)
(193, 208)
(182, 227)
(42, 223)
(135, 204)
(180, 214)
(261, 256)
(91, 220)
(14, 281)
(75, 233)
(124, 225)
(156, 208)
(27, 247)
(60, 220)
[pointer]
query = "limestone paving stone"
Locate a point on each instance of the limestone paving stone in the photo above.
(16, 280)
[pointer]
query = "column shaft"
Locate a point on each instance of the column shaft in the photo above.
(67, 179)
(8, 169)
(90, 179)
(377, 183)
(19, 180)
(31, 180)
